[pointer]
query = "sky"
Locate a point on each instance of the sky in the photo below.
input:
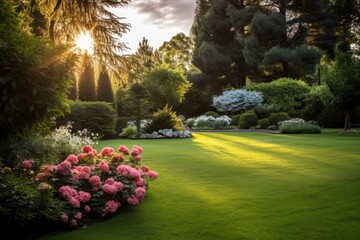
(156, 20)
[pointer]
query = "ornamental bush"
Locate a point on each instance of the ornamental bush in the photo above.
(298, 125)
(275, 118)
(248, 120)
(96, 117)
(236, 100)
(87, 185)
(164, 118)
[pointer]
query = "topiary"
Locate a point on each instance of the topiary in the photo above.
(247, 120)
(235, 120)
(264, 123)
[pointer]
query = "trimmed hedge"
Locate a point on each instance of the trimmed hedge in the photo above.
(275, 118)
(96, 117)
(248, 120)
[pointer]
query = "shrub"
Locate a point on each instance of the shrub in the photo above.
(299, 126)
(248, 120)
(285, 93)
(264, 123)
(129, 132)
(332, 117)
(211, 114)
(264, 110)
(121, 123)
(275, 118)
(209, 122)
(164, 119)
(235, 120)
(89, 184)
(237, 99)
(96, 117)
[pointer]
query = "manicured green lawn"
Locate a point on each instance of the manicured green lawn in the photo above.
(243, 186)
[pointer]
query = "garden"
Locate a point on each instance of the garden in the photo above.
(244, 129)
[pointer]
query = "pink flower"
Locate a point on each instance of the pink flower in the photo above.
(87, 208)
(67, 192)
(140, 150)
(134, 152)
(82, 156)
(119, 185)
(75, 174)
(91, 154)
(139, 182)
(64, 168)
(132, 200)
(64, 217)
(140, 193)
(83, 196)
(87, 148)
(138, 158)
(72, 159)
(78, 215)
(118, 157)
(95, 181)
(152, 175)
(111, 206)
(27, 164)
(145, 168)
(109, 189)
(107, 151)
(124, 150)
(110, 181)
(74, 202)
(103, 166)
(73, 223)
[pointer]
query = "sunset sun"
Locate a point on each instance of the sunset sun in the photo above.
(85, 43)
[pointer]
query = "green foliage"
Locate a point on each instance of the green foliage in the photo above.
(166, 86)
(318, 98)
(104, 89)
(129, 132)
(331, 117)
(293, 127)
(96, 117)
(235, 120)
(264, 123)
(212, 114)
(164, 118)
(248, 120)
(285, 94)
(120, 102)
(275, 118)
(87, 82)
(121, 123)
(264, 110)
(34, 78)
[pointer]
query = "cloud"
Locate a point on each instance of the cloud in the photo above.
(167, 12)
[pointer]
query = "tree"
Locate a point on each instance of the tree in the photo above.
(166, 86)
(73, 91)
(218, 53)
(34, 76)
(277, 39)
(104, 89)
(86, 81)
(236, 100)
(137, 103)
(177, 52)
(343, 80)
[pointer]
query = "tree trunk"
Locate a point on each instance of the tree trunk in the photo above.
(347, 120)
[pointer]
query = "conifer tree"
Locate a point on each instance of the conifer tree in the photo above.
(86, 81)
(104, 89)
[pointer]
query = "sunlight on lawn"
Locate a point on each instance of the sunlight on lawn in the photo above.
(266, 158)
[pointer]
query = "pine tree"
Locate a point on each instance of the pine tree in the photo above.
(73, 89)
(104, 89)
(86, 81)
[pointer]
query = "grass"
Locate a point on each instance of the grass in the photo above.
(242, 186)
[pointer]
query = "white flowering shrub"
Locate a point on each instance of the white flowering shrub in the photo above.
(208, 122)
(63, 139)
(236, 100)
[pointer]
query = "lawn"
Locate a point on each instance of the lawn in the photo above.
(242, 186)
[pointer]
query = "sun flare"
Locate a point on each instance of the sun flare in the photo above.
(85, 43)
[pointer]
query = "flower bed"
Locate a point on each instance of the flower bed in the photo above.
(91, 184)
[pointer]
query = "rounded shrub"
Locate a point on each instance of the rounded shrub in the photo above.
(264, 123)
(235, 120)
(248, 120)
(96, 117)
(332, 118)
(275, 118)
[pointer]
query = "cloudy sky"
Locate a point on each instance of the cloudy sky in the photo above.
(156, 20)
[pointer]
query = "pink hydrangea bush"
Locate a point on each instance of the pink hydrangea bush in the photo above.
(95, 184)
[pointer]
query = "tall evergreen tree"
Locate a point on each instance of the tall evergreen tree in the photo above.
(104, 88)
(86, 81)
(277, 41)
(73, 91)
